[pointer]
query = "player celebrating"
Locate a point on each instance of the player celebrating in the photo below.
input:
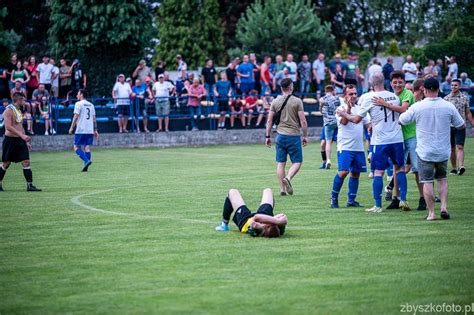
(350, 149)
(16, 144)
(261, 223)
(387, 139)
(84, 117)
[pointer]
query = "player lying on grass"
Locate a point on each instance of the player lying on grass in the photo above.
(262, 223)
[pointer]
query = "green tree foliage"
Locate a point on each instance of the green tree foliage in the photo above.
(393, 49)
(190, 28)
(108, 36)
(284, 26)
(8, 39)
(230, 13)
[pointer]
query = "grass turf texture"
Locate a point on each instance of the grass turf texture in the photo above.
(158, 251)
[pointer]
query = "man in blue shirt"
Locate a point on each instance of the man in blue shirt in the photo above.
(139, 91)
(387, 70)
(245, 73)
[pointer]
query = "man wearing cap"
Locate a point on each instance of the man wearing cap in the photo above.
(121, 94)
(78, 78)
(45, 70)
(161, 92)
(433, 117)
(142, 71)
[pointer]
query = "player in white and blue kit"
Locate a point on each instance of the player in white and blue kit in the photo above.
(86, 128)
(350, 149)
(387, 139)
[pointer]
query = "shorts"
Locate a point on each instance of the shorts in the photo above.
(162, 108)
(352, 161)
(329, 131)
(288, 145)
(458, 136)
(428, 171)
(322, 136)
(246, 87)
(223, 105)
(14, 150)
(83, 139)
(383, 152)
(123, 110)
(243, 214)
(411, 158)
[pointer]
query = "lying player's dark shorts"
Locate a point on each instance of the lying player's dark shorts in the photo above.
(243, 214)
(14, 150)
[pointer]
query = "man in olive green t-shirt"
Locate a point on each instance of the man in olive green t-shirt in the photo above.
(397, 80)
(288, 138)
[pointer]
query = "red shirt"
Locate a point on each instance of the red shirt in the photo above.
(250, 101)
(33, 83)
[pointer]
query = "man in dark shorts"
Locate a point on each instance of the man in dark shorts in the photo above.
(16, 144)
(261, 223)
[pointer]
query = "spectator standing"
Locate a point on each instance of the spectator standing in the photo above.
(222, 91)
(20, 73)
(410, 70)
(337, 61)
(34, 76)
(446, 86)
(430, 69)
(78, 77)
(387, 69)
(121, 94)
(161, 91)
(319, 73)
(353, 71)
(10, 67)
(285, 73)
(245, 73)
(458, 136)
(54, 79)
(439, 70)
(328, 105)
(337, 79)
(209, 78)
(195, 93)
(45, 71)
(142, 71)
(374, 67)
(65, 78)
(160, 68)
(288, 138)
(466, 83)
(453, 68)
(293, 67)
(256, 71)
(139, 98)
(231, 73)
(265, 77)
(304, 72)
(433, 117)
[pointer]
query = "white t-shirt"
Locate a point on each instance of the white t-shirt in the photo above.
(293, 68)
(433, 118)
(410, 67)
(55, 82)
(45, 70)
(385, 127)
(350, 137)
(320, 68)
(86, 112)
(122, 93)
(373, 69)
(453, 68)
(162, 90)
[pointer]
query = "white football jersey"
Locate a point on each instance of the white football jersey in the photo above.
(86, 112)
(350, 137)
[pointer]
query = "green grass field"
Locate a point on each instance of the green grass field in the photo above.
(136, 235)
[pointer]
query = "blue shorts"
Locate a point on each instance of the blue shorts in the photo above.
(384, 152)
(329, 131)
(410, 152)
(351, 161)
(246, 87)
(83, 139)
(288, 145)
(323, 135)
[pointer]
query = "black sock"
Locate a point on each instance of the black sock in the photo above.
(391, 184)
(227, 210)
(323, 155)
(28, 175)
(2, 173)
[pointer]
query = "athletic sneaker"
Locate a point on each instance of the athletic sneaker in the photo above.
(374, 209)
(328, 164)
(282, 193)
(388, 193)
(353, 203)
(445, 215)
(288, 187)
(395, 204)
(86, 166)
(31, 187)
(52, 131)
(454, 172)
(334, 203)
(222, 227)
(462, 170)
(421, 204)
(371, 175)
(46, 133)
(404, 206)
(322, 166)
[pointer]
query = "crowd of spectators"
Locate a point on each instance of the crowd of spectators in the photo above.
(242, 90)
